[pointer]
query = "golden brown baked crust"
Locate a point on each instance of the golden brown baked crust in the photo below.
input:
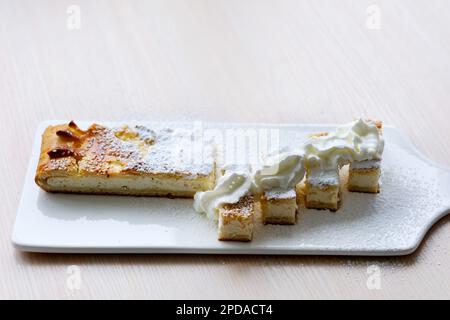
(51, 143)
(377, 123)
(364, 190)
(322, 205)
(107, 153)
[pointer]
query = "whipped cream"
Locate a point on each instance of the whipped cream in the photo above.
(229, 189)
(283, 171)
(358, 141)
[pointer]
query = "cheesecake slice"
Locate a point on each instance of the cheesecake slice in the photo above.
(236, 220)
(125, 160)
(364, 176)
(279, 206)
(322, 189)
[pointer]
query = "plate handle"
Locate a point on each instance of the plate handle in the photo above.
(444, 185)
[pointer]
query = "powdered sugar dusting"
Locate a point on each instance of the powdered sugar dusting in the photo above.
(278, 193)
(153, 151)
(320, 177)
(175, 151)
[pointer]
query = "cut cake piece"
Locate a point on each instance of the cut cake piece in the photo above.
(279, 206)
(236, 220)
(121, 160)
(322, 188)
(364, 176)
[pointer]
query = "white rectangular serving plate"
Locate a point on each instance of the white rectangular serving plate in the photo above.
(415, 193)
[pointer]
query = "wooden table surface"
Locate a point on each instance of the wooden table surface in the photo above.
(288, 61)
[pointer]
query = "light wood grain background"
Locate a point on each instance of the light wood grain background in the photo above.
(288, 61)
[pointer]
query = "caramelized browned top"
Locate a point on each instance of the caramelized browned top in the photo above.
(244, 207)
(107, 151)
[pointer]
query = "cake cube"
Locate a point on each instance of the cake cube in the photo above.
(236, 220)
(322, 189)
(279, 206)
(364, 176)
